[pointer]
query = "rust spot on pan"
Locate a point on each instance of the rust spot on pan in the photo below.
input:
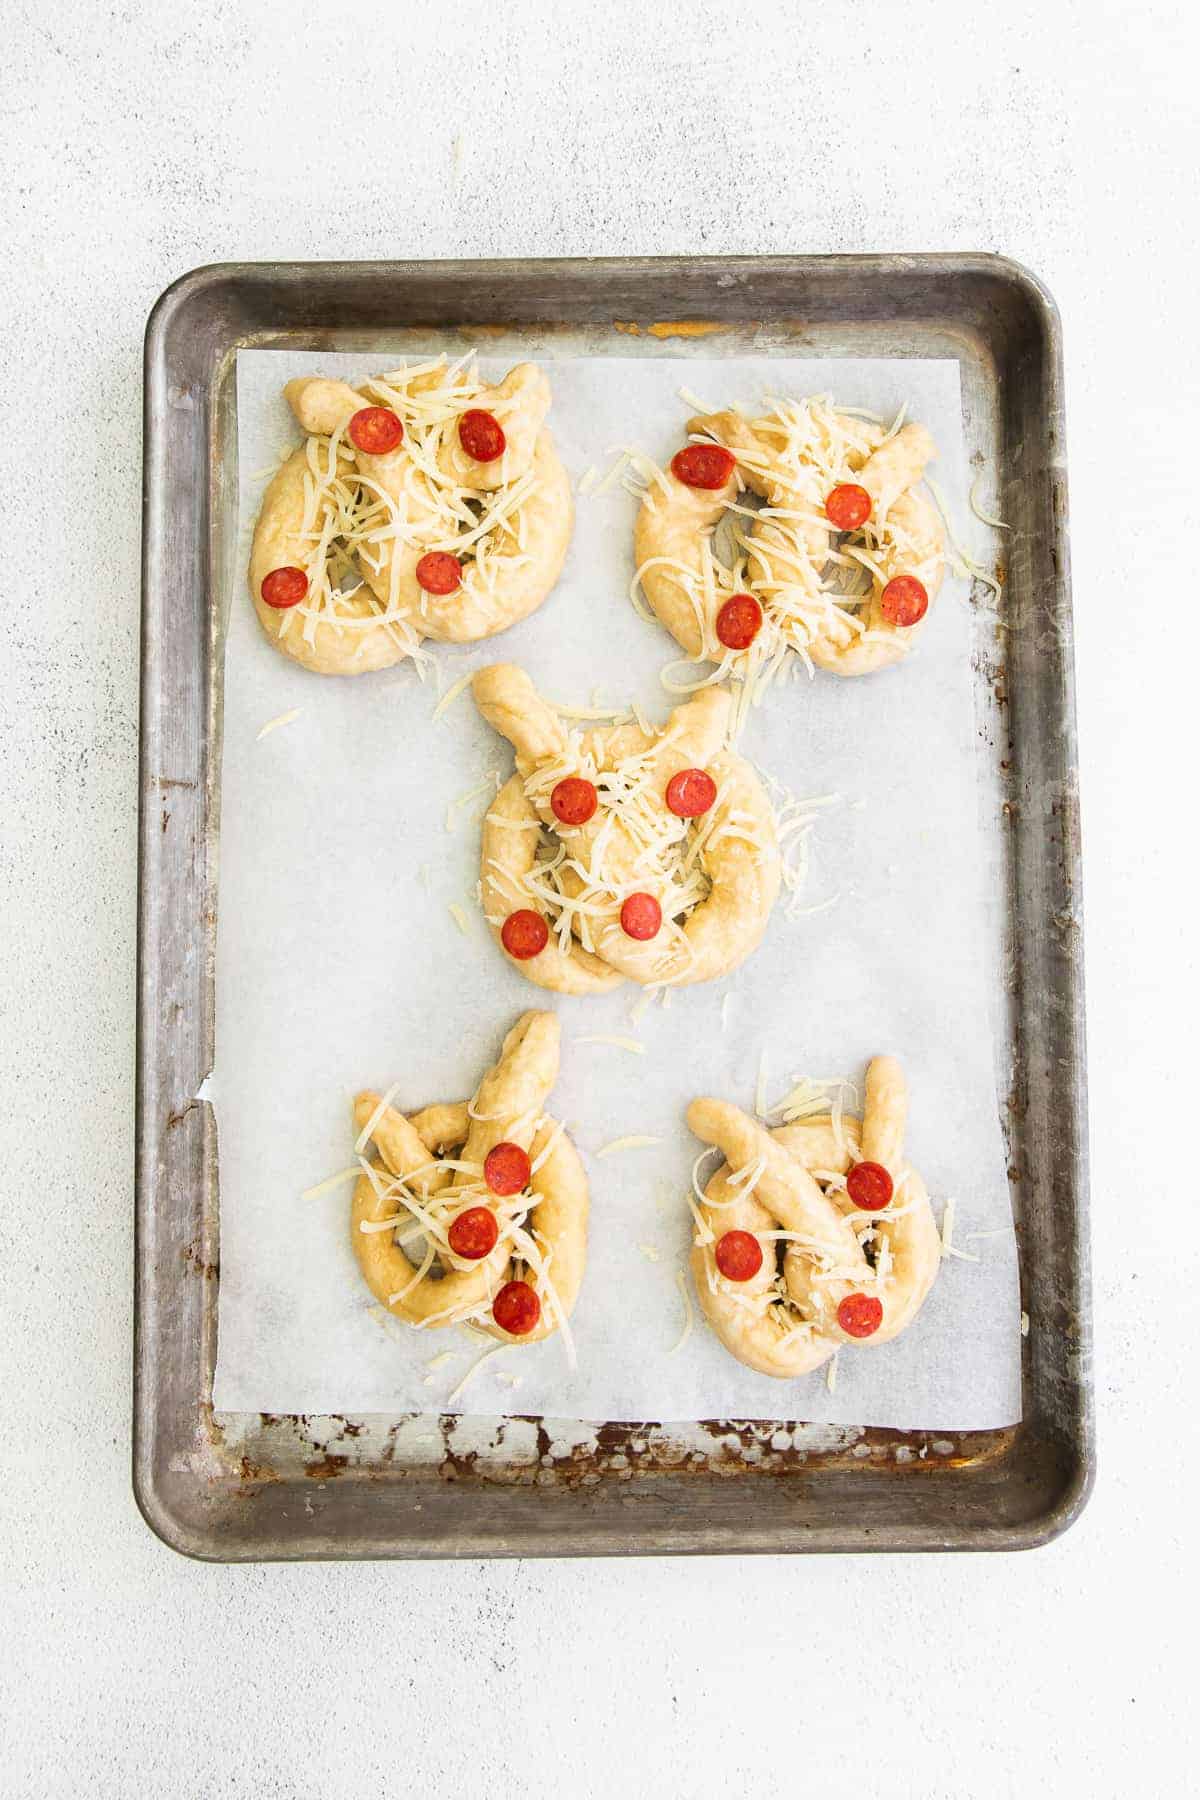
(326, 1468)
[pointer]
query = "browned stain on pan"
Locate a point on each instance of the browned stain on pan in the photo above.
(673, 328)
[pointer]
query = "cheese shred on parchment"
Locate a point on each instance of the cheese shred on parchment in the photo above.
(984, 518)
(334, 1181)
(451, 695)
(949, 1248)
(634, 1142)
(364, 1136)
(474, 1369)
(688, 1315)
(967, 563)
(618, 1043)
(271, 725)
(760, 1087)
(459, 915)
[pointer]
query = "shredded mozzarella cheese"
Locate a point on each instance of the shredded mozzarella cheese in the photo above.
(685, 1334)
(271, 725)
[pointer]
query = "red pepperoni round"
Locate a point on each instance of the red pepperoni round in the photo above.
(524, 934)
(860, 1315)
(703, 465)
(573, 800)
(691, 793)
(739, 622)
(641, 917)
(869, 1186)
(904, 600)
(375, 430)
(438, 572)
(284, 587)
(739, 1255)
(506, 1169)
(473, 1233)
(481, 435)
(516, 1308)
(848, 506)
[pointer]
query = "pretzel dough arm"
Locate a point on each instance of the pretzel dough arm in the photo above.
(511, 1095)
(444, 1127)
(693, 738)
(322, 406)
(403, 1148)
(520, 569)
(669, 543)
(745, 876)
(784, 1186)
(508, 851)
(897, 464)
(278, 539)
(915, 1247)
(919, 549)
(736, 434)
(520, 403)
(387, 1270)
(750, 1333)
(885, 1114)
(559, 1216)
(512, 706)
(787, 553)
(814, 1143)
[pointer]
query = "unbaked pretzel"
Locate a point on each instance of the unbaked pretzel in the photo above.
(449, 545)
(495, 1189)
(624, 853)
(818, 471)
(860, 1249)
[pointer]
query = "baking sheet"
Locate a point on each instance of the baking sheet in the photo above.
(340, 966)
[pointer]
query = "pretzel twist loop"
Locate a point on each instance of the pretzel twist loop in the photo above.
(715, 878)
(787, 1188)
(791, 459)
(339, 514)
(429, 1169)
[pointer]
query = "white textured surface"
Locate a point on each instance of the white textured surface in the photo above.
(140, 140)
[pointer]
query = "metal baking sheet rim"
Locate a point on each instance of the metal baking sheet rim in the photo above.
(301, 1488)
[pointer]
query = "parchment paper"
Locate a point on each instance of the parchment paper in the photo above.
(340, 966)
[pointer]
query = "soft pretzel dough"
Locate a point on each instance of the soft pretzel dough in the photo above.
(429, 495)
(783, 1321)
(791, 459)
(549, 1248)
(633, 843)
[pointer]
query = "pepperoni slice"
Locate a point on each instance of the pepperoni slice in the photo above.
(904, 600)
(516, 1308)
(473, 1233)
(641, 917)
(739, 622)
(284, 587)
(860, 1315)
(848, 506)
(691, 793)
(573, 800)
(524, 934)
(739, 1255)
(703, 465)
(481, 435)
(438, 572)
(869, 1186)
(506, 1169)
(375, 430)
